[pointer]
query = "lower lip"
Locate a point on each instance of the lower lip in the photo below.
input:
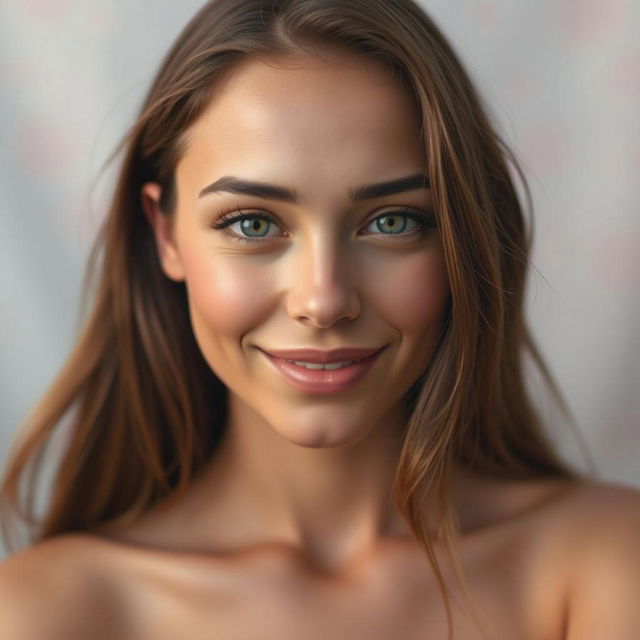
(323, 380)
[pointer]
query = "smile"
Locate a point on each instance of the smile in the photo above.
(315, 377)
(315, 365)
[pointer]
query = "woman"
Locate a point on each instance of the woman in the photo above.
(298, 407)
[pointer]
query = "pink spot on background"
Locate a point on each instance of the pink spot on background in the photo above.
(102, 17)
(588, 20)
(17, 72)
(624, 75)
(618, 437)
(614, 261)
(47, 149)
(520, 85)
(46, 9)
(485, 12)
(546, 148)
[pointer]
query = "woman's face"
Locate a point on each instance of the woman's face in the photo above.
(320, 265)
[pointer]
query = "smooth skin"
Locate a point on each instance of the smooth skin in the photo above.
(292, 532)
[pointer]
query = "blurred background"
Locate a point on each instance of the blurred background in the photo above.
(560, 77)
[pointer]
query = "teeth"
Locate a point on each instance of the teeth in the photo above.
(315, 365)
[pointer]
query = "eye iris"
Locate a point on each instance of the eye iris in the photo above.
(252, 225)
(395, 224)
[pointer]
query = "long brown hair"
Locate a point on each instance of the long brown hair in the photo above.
(141, 409)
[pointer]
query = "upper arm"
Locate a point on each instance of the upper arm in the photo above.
(44, 596)
(604, 598)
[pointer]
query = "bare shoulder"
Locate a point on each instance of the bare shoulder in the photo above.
(53, 591)
(582, 555)
(602, 527)
(595, 514)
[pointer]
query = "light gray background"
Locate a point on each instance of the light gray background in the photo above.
(561, 77)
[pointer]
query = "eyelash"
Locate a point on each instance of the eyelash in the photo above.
(227, 218)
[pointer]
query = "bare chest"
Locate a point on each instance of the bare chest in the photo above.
(271, 596)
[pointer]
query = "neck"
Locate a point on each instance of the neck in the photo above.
(330, 503)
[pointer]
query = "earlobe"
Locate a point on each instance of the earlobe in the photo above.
(162, 226)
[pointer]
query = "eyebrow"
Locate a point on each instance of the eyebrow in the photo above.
(232, 184)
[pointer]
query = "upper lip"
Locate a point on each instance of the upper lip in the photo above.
(343, 354)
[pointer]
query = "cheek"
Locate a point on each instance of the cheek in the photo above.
(412, 293)
(228, 296)
(231, 295)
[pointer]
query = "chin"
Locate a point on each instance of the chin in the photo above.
(322, 437)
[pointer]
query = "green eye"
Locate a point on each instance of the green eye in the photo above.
(402, 222)
(255, 227)
(393, 223)
(251, 227)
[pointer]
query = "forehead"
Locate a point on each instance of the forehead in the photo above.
(339, 116)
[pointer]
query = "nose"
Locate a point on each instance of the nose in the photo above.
(321, 290)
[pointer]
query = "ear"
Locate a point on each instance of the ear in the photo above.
(163, 228)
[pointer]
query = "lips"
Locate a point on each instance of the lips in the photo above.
(323, 381)
(343, 354)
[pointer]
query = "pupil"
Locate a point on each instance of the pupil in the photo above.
(252, 226)
(391, 222)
